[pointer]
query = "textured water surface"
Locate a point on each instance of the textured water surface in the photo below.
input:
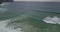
(28, 17)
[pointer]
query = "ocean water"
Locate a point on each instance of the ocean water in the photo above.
(28, 16)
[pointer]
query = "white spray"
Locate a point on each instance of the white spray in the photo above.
(54, 20)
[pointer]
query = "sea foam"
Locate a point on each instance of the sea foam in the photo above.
(52, 20)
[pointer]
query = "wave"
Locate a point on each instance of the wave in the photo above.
(4, 27)
(52, 20)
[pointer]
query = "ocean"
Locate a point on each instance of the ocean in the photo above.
(28, 16)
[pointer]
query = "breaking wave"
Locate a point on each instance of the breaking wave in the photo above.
(11, 25)
(52, 20)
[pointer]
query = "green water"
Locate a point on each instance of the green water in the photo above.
(34, 24)
(29, 19)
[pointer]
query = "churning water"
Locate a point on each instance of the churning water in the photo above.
(30, 17)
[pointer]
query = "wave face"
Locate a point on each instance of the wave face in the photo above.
(26, 23)
(18, 24)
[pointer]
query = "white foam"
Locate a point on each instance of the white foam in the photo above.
(3, 27)
(54, 20)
